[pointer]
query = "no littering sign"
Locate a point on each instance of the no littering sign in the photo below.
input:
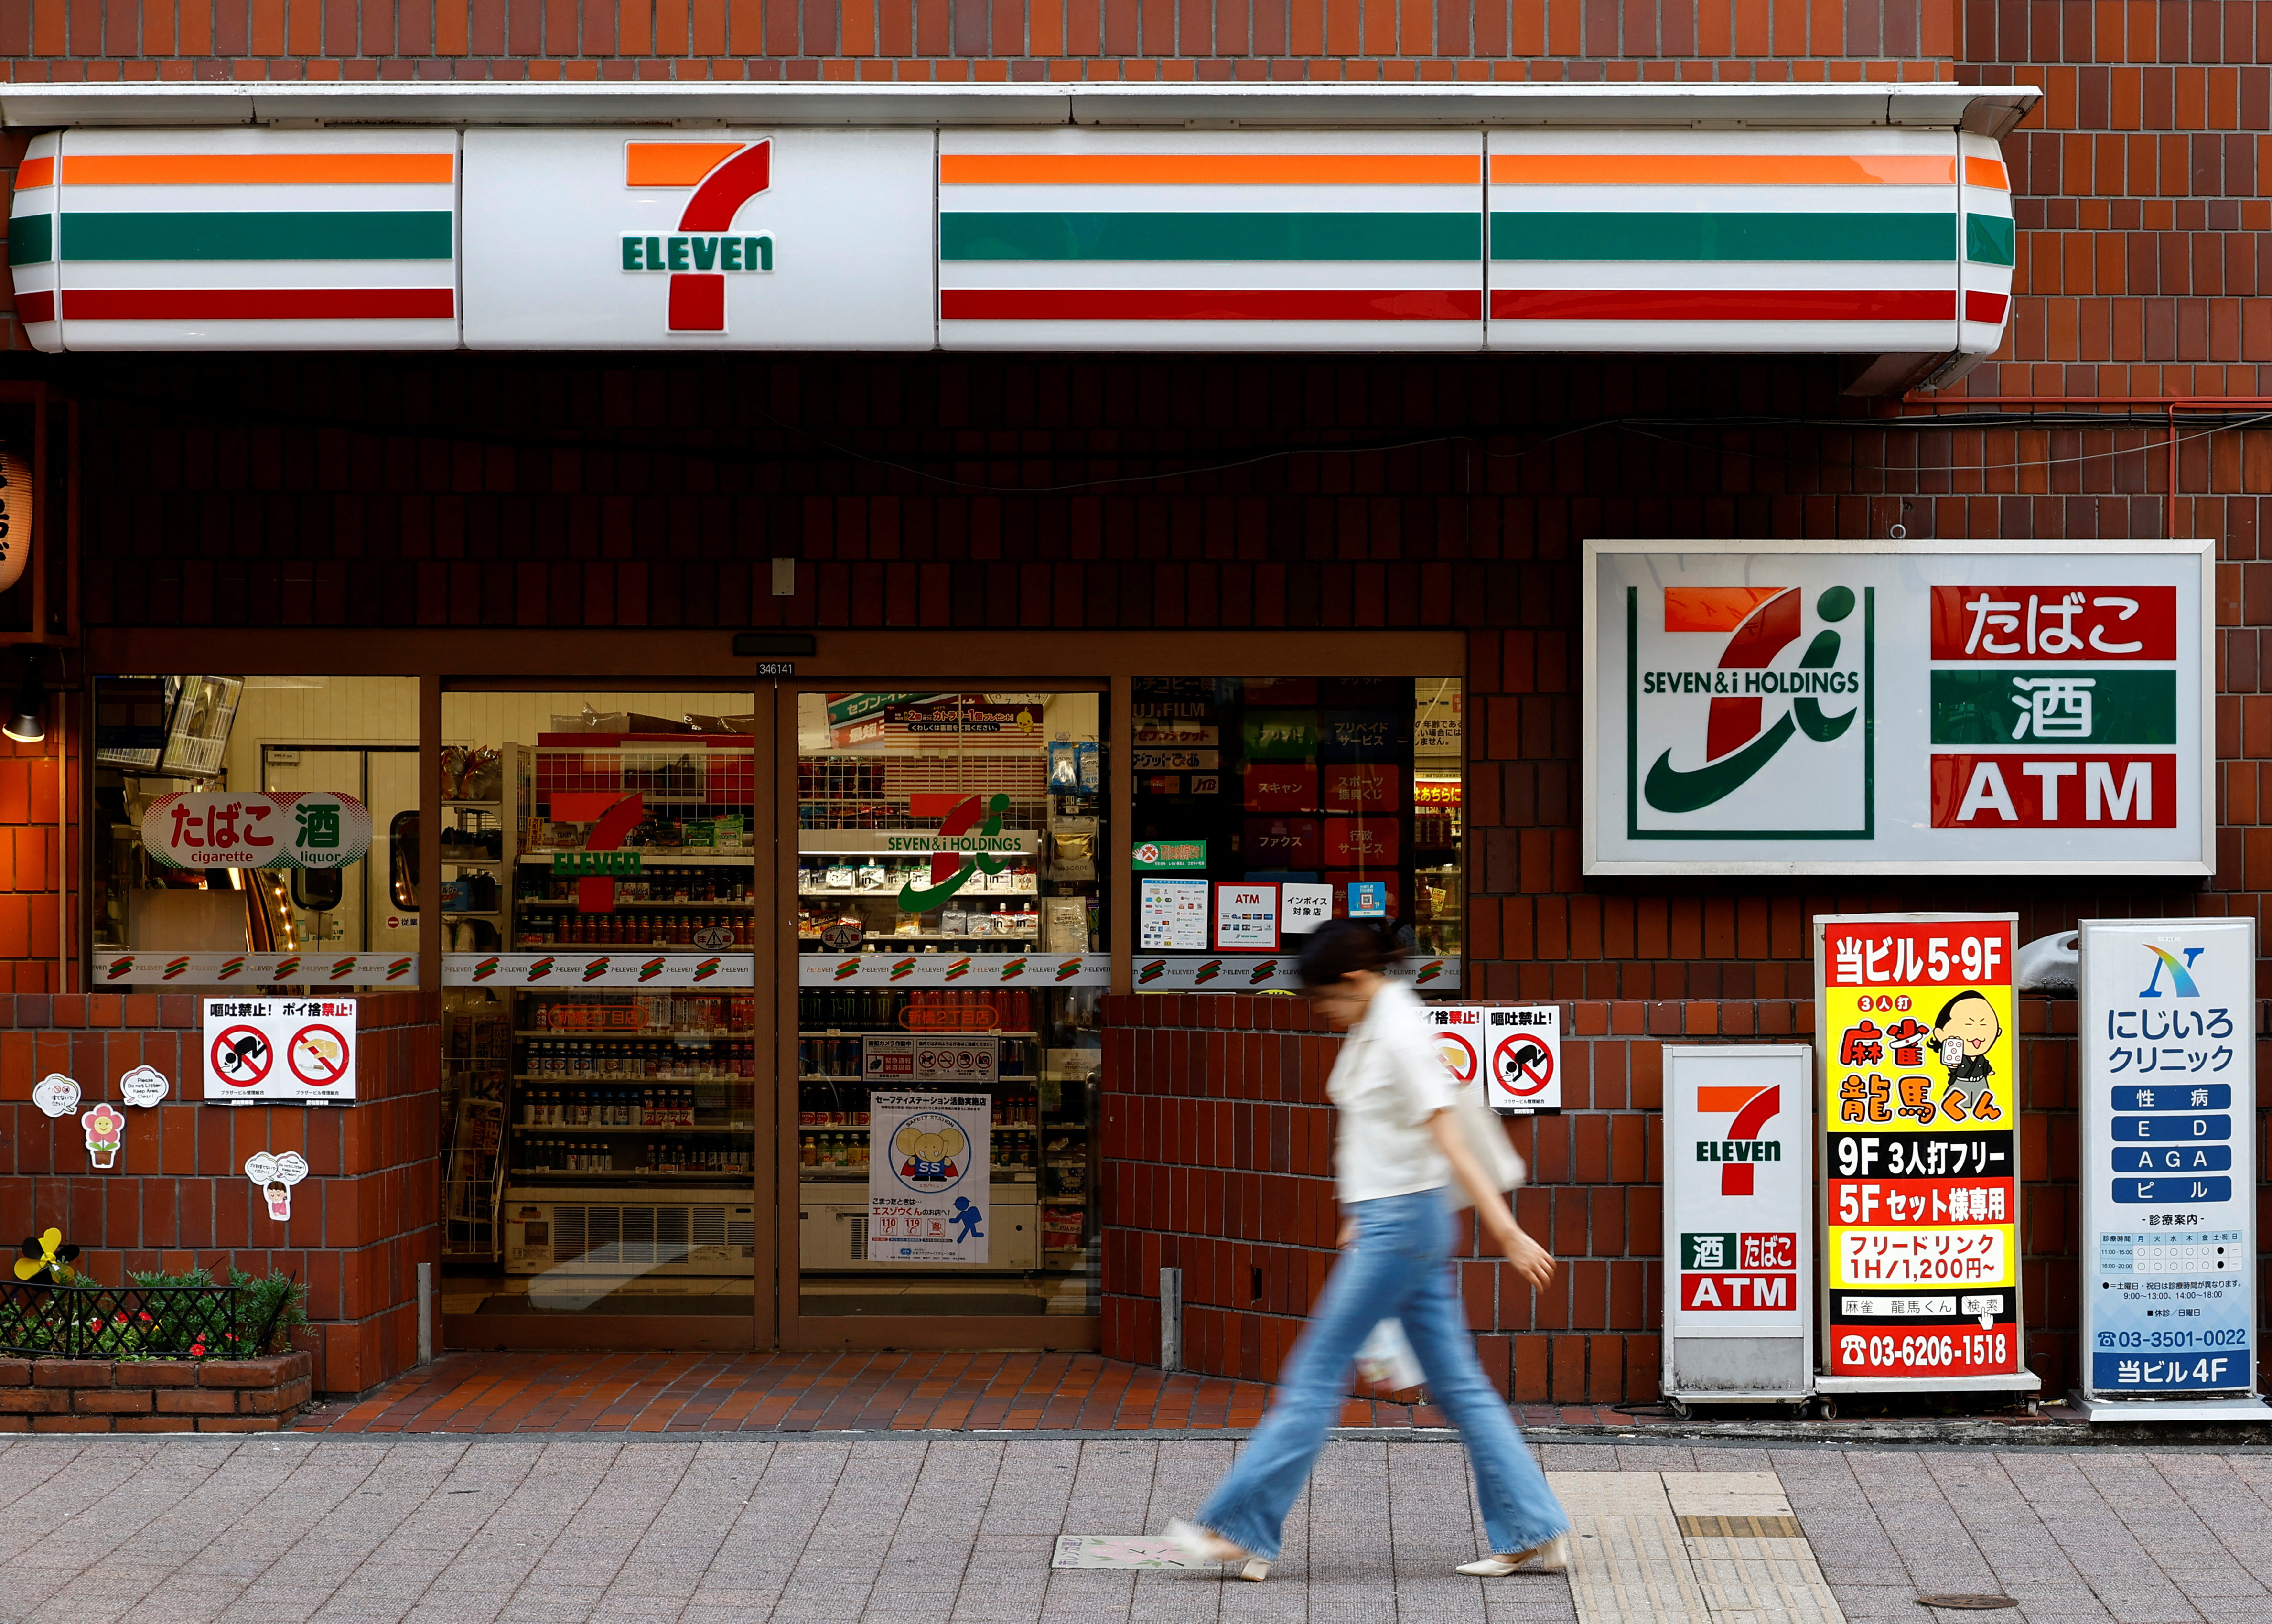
(274, 1049)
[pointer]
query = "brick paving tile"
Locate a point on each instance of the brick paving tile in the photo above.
(640, 1393)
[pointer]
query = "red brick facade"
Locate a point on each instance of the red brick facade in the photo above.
(1219, 1142)
(361, 1223)
(988, 494)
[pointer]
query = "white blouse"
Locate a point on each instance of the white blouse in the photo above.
(1387, 1083)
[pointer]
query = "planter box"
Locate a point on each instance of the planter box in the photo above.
(153, 1395)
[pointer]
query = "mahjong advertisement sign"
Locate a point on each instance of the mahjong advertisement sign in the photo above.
(1899, 707)
(2168, 1182)
(1914, 1017)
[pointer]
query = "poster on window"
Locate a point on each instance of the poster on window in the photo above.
(1794, 708)
(1914, 1014)
(2169, 1167)
(1172, 913)
(928, 1157)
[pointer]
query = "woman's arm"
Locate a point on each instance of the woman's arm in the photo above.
(1531, 1260)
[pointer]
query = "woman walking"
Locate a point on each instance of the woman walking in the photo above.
(1407, 1159)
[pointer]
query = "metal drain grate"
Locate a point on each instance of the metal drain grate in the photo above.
(1744, 1527)
(1968, 1604)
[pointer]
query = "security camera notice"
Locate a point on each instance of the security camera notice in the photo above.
(929, 1158)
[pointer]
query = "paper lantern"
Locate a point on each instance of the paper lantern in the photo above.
(15, 518)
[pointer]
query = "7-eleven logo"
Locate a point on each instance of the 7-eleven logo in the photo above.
(1743, 1149)
(708, 245)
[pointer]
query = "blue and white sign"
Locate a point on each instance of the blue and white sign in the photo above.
(927, 1178)
(1368, 899)
(2169, 1082)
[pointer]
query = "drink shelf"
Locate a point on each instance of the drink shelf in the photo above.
(662, 859)
(566, 1129)
(553, 1081)
(624, 905)
(641, 1178)
(901, 1031)
(606, 1035)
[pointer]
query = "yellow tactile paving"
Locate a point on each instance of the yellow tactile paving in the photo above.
(1634, 1564)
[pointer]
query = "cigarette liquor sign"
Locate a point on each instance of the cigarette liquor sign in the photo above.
(1921, 1195)
(1887, 707)
(2169, 1088)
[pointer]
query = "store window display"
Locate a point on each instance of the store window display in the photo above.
(1297, 800)
(245, 824)
(948, 847)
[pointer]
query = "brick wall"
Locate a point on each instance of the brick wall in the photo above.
(363, 1219)
(32, 863)
(1219, 1142)
(980, 40)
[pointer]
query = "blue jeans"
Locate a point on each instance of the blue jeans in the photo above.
(1399, 1268)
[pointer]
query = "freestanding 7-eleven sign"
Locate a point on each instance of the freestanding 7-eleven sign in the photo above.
(1739, 1222)
(710, 244)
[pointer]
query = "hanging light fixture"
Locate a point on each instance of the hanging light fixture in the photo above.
(27, 712)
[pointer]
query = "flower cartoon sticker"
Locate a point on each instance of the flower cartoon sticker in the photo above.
(105, 1127)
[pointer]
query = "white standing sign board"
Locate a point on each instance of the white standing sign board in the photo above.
(1738, 1224)
(2168, 1182)
(272, 1050)
(928, 1192)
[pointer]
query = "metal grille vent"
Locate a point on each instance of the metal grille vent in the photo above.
(709, 1226)
(567, 1234)
(859, 1238)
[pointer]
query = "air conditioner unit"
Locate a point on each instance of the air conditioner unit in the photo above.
(833, 1233)
(553, 1232)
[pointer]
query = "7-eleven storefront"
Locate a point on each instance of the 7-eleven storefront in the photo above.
(692, 916)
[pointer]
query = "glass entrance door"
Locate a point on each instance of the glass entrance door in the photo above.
(949, 896)
(602, 1099)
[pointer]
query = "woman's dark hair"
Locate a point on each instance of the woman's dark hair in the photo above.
(1341, 947)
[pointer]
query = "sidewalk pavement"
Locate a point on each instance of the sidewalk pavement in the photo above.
(927, 1528)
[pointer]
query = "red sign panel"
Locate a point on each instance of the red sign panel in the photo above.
(2055, 792)
(2090, 624)
(1366, 842)
(1363, 788)
(1273, 788)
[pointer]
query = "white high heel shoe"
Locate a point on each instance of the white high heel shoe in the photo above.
(1208, 1546)
(1553, 1557)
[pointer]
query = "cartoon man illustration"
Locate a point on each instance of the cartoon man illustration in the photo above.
(1966, 1030)
(967, 1215)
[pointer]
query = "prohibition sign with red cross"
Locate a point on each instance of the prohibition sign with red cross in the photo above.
(1457, 1053)
(242, 1056)
(321, 1070)
(1523, 1064)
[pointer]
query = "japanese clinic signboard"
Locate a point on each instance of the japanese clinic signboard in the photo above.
(927, 1158)
(284, 828)
(272, 1050)
(1738, 1302)
(2168, 1089)
(1899, 707)
(1914, 1014)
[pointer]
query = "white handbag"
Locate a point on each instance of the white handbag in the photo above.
(1487, 1139)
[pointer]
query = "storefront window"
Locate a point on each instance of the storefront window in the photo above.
(600, 1085)
(1265, 805)
(950, 921)
(247, 827)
